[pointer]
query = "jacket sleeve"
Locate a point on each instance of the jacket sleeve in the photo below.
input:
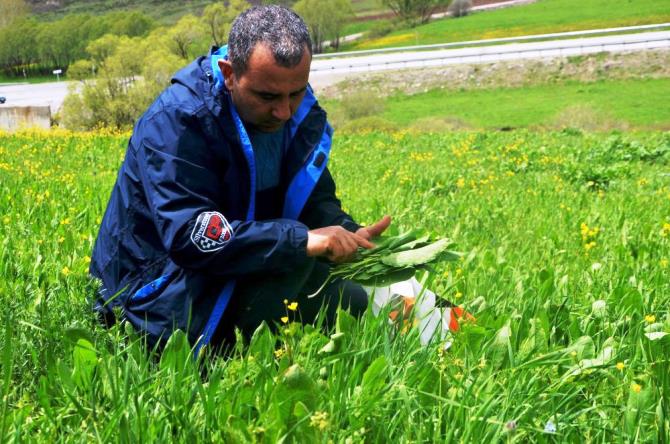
(323, 208)
(180, 176)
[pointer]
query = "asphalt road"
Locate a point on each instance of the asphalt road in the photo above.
(329, 71)
(27, 94)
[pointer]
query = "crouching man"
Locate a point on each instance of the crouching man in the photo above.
(224, 206)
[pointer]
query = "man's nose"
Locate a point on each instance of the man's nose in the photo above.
(282, 110)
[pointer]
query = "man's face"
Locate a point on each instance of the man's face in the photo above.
(267, 94)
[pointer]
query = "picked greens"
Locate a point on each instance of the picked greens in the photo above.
(393, 259)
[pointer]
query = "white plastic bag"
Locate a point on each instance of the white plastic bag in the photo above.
(433, 322)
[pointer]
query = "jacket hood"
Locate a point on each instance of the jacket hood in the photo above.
(198, 78)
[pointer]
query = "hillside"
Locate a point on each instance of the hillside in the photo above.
(164, 11)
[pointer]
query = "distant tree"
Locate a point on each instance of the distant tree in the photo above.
(130, 73)
(415, 11)
(80, 70)
(218, 18)
(325, 18)
(17, 50)
(286, 3)
(130, 23)
(185, 36)
(99, 49)
(11, 10)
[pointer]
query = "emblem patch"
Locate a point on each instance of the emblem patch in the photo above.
(211, 231)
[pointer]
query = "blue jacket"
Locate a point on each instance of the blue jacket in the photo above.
(179, 226)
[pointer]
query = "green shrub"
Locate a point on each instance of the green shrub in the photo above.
(367, 124)
(361, 104)
(440, 124)
(587, 118)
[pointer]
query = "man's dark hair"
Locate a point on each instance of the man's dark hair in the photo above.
(281, 29)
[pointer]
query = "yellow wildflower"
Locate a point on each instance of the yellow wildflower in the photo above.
(650, 319)
(284, 319)
(279, 353)
(584, 230)
(319, 420)
(620, 366)
(65, 271)
(293, 306)
(636, 387)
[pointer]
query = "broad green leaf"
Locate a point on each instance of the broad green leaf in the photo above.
(500, 349)
(293, 386)
(75, 333)
(177, 352)
(334, 345)
(389, 278)
(262, 342)
(402, 239)
(84, 360)
(656, 335)
(345, 322)
(419, 256)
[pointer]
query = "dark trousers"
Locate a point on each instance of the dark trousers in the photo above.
(261, 298)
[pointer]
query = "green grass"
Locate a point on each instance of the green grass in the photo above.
(616, 103)
(30, 79)
(567, 247)
(544, 16)
(355, 27)
(366, 7)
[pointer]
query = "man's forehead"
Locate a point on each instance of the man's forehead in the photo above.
(262, 54)
(265, 74)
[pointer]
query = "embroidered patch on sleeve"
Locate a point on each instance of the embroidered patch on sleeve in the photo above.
(211, 231)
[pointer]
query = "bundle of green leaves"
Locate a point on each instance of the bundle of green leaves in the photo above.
(394, 259)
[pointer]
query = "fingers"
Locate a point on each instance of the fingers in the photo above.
(345, 244)
(361, 241)
(380, 226)
(335, 243)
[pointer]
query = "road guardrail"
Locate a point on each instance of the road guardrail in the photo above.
(487, 42)
(497, 53)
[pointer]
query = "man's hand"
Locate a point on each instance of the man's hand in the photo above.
(375, 229)
(335, 243)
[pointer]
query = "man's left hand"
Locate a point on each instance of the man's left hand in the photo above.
(375, 229)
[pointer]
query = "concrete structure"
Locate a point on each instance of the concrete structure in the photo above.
(16, 117)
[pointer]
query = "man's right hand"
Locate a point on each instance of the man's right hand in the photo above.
(334, 243)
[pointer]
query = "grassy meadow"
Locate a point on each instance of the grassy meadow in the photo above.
(637, 103)
(541, 17)
(566, 238)
(600, 105)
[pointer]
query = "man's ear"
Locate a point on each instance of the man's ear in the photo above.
(227, 70)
